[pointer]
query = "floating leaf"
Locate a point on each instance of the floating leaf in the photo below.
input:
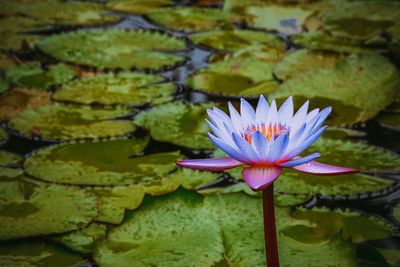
(390, 119)
(110, 162)
(4, 86)
(3, 135)
(262, 52)
(32, 75)
(303, 60)
(10, 173)
(138, 6)
(19, 99)
(10, 28)
(68, 122)
(236, 76)
(396, 212)
(30, 210)
(191, 18)
(359, 20)
(72, 13)
(82, 240)
(115, 49)
(337, 133)
(323, 41)
(123, 88)
(171, 230)
(392, 256)
(346, 87)
(33, 253)
(6, 62)
(177, 123)
(7, 158)
(234, 40)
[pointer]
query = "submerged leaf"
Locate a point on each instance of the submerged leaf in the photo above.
(123, 88)
(115, 49)
(68, 122)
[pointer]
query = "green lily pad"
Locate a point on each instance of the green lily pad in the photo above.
(262, 52)
(10, 28)
(4, 86)
(3, 135)
(32, 75)
(191, 18)
(6, 61)
(33, 253)
(285, 19)
(7, 158)
(346, 87)
(113, 201)
(396, 212)
(337, 133)
(177, 123)
(7, 174)
(236, 76)
(138, 6)
(82, 240)
(123, 88)
(391, 119)
(323, 41)
(359, 20)
(392, 256)
(71, 13)
(171, 230)
(234, 40)
(18, 100)
(114, 49)
(110, 162)
(303, 60)
(68, 122)
(27, 209)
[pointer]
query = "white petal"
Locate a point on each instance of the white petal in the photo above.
(262, 111)
(285, 112)
(247, 113)
(235, 118)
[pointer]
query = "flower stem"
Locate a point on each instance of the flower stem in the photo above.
(271, 247)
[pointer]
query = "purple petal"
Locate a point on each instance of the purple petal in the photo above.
(228, 149)
(215, 130)
(299, 117)
(285, 112)
(277, 148)
(314, 167)
(260, 177)
(262, 111)
(323, 115)
(247, 112)
(272, 114)
(235, 118)
(260, 145)
(245, 148)
(299, 161)
(215, 164)
(312, 114)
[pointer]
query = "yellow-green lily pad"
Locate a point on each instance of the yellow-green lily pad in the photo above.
(234, 40)
(7, 158)
(138, 6)
(115, 49)
(127, 88)
(191, 18)
(177, 123)
(68, 122)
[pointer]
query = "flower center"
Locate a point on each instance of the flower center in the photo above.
(273, 131)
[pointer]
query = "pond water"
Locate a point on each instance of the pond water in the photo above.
(98, 99)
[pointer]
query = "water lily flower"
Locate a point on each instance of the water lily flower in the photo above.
(267, 140)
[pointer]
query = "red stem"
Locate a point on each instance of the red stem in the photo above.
(271, 247)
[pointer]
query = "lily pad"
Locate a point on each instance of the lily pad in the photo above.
(114, 49)
(390, 119)
(32, 75)
(346, 87)
(7, 158)
(123, 88)
(237, 77)
(392, 256)
(82, 240)
(323, 41)
(112, 162)
(19, 99)
(71, 13)
(177, 123)
(262, 52)
(171, 230)
(138, 6)
(359, 20)
(337, 133)
(303, 60)
(3, 135)
(30, 210)
(7, 174)
(234, 40)
(191, 18)
(33, 253)
(396, 212)
(68, 122)
(4, 86)
(10, 27)
(6, 62)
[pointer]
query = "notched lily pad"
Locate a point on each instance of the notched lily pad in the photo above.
(177, 123)
(18, 100)
(113, 162)
(115, 49)
(237, 77)
(32, 75)
(346, 87)
(68, 122)
(7, 158)
(127, 88)
(27, 209)
(138, 6)
(191, 18)
(71, 13)
(234, 40)
(34, 253)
